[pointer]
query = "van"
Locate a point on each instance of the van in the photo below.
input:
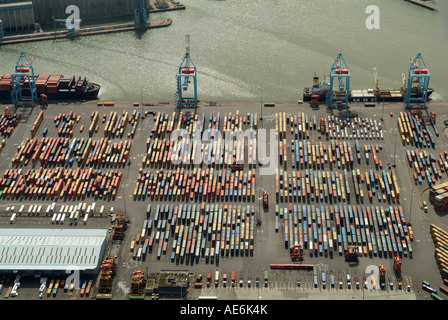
(425, 206)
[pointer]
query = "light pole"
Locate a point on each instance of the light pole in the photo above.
(261, 104)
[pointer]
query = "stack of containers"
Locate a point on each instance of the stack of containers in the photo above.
(53, 84)
(7, 124)
(37, 123)
(438, 196)
(440, 238)
(68, 121)
(41, 83)
(94, 123)
(5, 82)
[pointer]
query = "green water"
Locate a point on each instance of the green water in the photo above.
(247, 48)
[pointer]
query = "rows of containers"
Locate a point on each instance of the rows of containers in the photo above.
(187, 140)
(194, 232)
(8, 122)
(336, 186)
(440, 239)
(310, 154)
(377, 231)
(65, 123)
(196, 184)
(55, 285)
(44, 184)
(70, 213)
(415, 131)
(427, 166)
(332, 127)
(87, 152)
(116, 124)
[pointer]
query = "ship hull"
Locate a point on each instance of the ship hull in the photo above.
(380, 98)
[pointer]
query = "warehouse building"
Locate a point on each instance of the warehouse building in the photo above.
(17, 16)
(51, 251)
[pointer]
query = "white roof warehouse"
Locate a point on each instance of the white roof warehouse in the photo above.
(44, 251)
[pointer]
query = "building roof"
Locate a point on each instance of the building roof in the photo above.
(51, 249)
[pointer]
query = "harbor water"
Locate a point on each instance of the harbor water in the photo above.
(252, 49)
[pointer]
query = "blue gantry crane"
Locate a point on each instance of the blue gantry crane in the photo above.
(24, 90)
(141, 15)
(416, 94)
(185, 76)
(340, 73)
(63, 22)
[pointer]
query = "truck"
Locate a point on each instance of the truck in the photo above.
(224, 280)
(266, 278)
(216, 279)
(382, 276)
(209, 279)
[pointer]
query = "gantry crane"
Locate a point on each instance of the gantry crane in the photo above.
(416, 94)
(186, 74)
(339, 72)
(377, 88)
(141, 15)
(71, 31)
(24, 90)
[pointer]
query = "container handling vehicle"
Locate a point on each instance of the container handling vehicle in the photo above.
(352, 253)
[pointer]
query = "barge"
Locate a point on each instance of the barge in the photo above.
(322, 89)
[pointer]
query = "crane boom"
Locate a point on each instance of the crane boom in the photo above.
(375, 74)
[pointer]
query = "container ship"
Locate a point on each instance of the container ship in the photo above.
(322, 88)
(55, 87)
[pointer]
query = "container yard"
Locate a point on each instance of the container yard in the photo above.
(200, 207)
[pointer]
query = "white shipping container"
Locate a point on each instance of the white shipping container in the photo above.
(139, 253)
